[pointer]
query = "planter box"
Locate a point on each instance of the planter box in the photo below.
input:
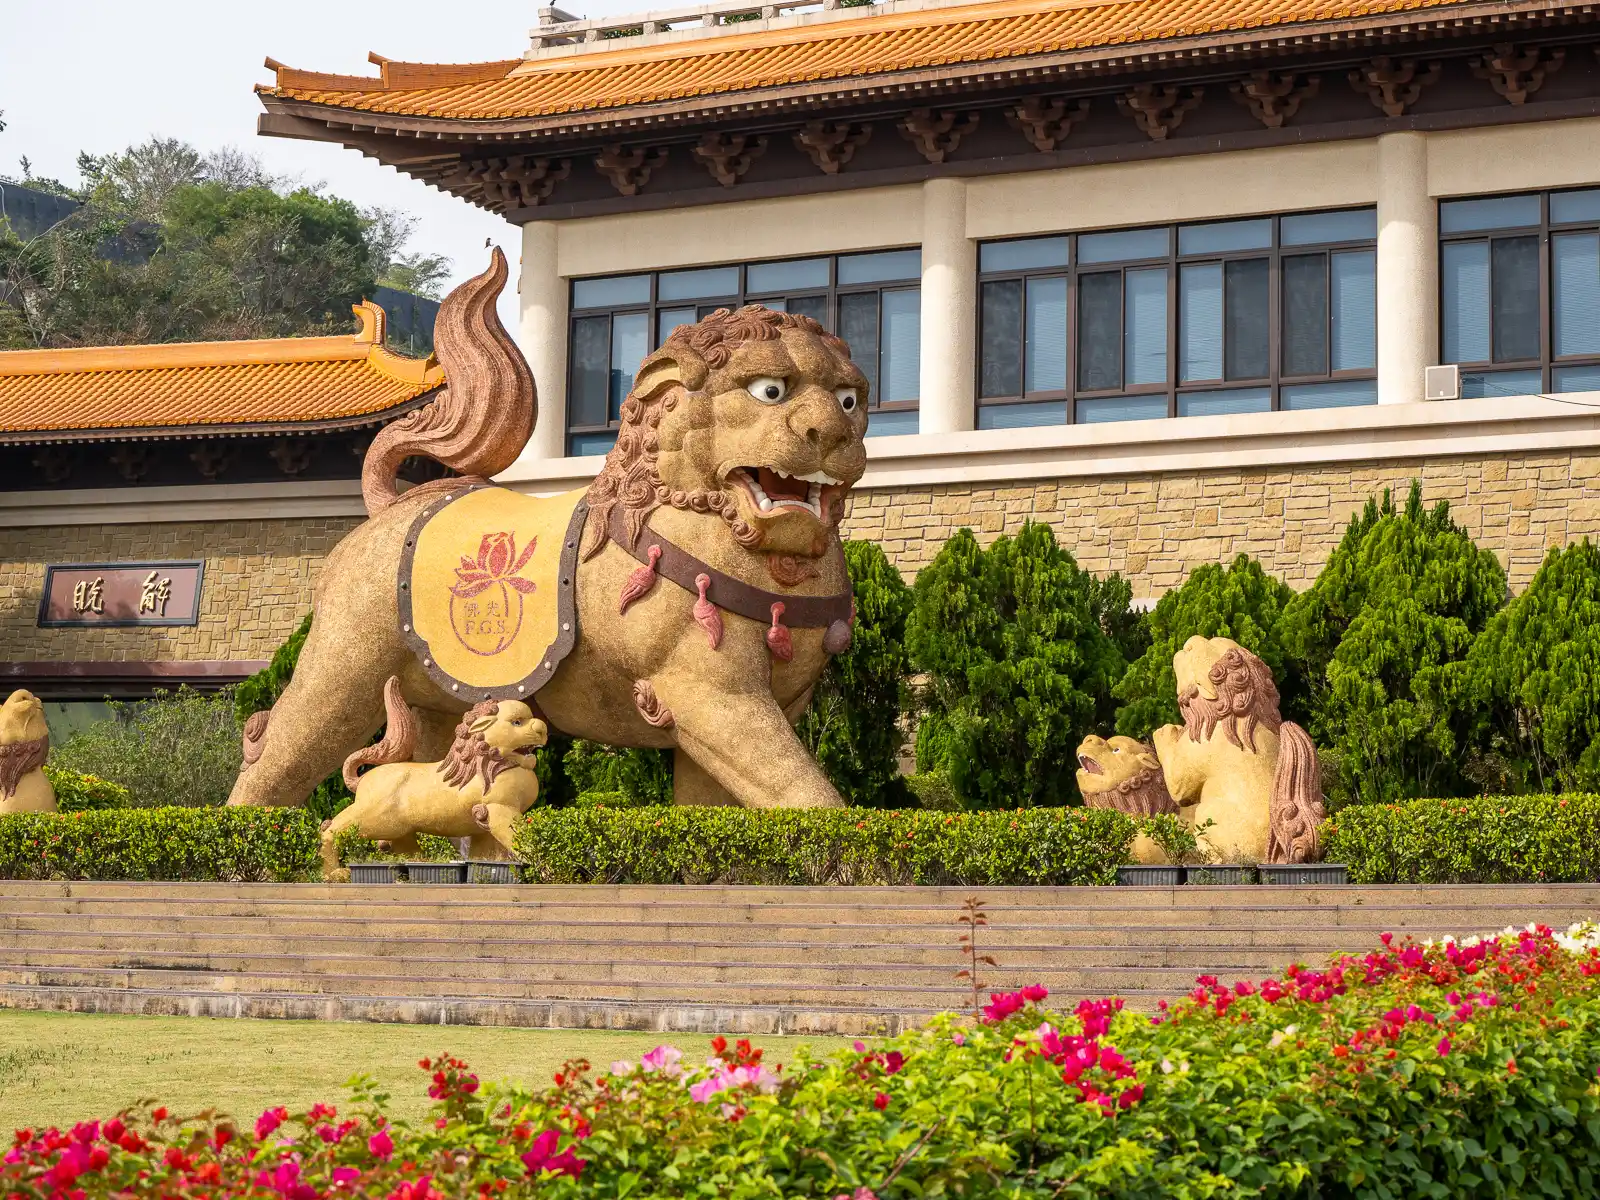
(436, 872)
(483, 871)
(1219, 875)
(383, 872)
(1148, 876)
(1305, 874)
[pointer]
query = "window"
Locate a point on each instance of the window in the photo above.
(1189, 320)
(873, 301)
(1519, 292)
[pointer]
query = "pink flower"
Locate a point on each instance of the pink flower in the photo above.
(542, 1156)
(701, 1092)
(663, 1059)
(1131, 1096)
(269, 1121)
(380, 1145)
(417, 1189)
(880, 1101)
(344, 1175)
(622, 1067)
(892, 1062)
(1444, 1047)
(959, 1038)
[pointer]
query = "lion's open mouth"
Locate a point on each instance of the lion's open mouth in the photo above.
(774, 491)
(1089, 765)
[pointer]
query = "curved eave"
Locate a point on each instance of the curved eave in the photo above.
(1203, 49)
(173, 433)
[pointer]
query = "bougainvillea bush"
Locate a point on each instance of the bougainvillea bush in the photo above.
(1445, 1070)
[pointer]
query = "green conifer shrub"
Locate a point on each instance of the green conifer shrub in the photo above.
(1533, 678)
(1240, 601)
(1379, 639)
(853, 724)
(1018, 667)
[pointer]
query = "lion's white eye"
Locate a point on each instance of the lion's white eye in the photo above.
(767, 389)
(847, 398)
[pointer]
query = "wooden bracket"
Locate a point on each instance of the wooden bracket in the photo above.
(832, 144)
(1393, 85)
(729, 155)
(936, 134)
(1273, 99)
(629, 169)
(1516, 75)
(1047, 123)
(1158, 109)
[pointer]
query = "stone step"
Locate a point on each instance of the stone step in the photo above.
(697, 963)
(706, 945)
(901, 988)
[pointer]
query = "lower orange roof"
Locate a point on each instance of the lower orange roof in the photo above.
(217, 386)
(866, 45)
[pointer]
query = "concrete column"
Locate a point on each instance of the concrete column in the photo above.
(1408, 268)
(949, 302)
(542, 334)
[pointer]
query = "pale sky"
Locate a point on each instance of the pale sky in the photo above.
(100, 75)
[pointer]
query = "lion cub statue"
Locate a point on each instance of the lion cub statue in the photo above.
(479, 790)
(1235, 761)
(24, 746)
(1124, 773)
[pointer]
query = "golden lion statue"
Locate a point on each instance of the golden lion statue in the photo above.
(1123, 773)
(1235, 762)
(689, 599)
(479, 790)
(24, 746)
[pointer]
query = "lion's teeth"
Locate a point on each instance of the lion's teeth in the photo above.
(765, 502)
(819, 477)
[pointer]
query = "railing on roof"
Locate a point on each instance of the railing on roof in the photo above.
(559, 30)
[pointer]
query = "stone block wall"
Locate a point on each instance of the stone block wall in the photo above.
(258, 584)
(1155, 529)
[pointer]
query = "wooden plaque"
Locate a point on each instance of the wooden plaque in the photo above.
(150, 593)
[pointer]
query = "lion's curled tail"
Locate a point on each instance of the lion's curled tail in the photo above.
(255, 735)
(399, 737)
(486, 413)
(1295, 812)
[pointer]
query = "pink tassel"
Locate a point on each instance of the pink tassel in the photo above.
(641, 581)
(706, 612)
(778, 636)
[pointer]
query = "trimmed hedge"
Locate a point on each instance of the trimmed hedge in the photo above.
(815, 846)
(248, 845)
(1504, 839)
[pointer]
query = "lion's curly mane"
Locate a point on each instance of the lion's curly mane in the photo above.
(470, 754)
(1141, 795)
(1247, 697)
(629, 477)
(19, 759)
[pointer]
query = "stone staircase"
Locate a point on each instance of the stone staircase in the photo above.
(709, 959)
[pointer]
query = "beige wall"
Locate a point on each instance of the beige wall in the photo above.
(1155, 529)
(258, 584)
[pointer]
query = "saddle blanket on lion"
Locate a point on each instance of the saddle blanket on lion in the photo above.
(486, 589)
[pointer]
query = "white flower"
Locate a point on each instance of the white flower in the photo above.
(1166, 1067)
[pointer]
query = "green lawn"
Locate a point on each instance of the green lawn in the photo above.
(56, 1068)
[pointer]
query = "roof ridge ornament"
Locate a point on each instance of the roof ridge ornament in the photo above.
(1392, 84)
(1047, 123)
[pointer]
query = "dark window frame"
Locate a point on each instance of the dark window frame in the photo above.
(1172, 261)
(655, 306)
(1547, 362)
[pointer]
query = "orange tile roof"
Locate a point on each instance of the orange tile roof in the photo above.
(200, 386)
(870, 44)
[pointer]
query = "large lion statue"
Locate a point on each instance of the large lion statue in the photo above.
(1235, 762)
(477, 791)
(689, 599)
(24, 746)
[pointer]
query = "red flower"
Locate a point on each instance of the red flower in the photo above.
(1131, 1096)
(880, 1101)
(380, 1144)
(497, 562)
(269, 1121)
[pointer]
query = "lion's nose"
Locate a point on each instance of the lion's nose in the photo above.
(815, 415)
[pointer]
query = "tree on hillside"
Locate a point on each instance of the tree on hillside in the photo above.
(174, 245)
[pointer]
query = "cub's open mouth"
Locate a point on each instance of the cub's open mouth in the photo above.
(1089, 765)
(774, 491)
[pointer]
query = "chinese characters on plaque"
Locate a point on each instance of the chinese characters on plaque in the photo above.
(121, 594)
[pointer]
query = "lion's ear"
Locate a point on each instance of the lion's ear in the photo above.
(1148, 760)
(483, 724)
(674, 362)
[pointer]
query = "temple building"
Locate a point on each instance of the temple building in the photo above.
(164, 509)
(1183, 280)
